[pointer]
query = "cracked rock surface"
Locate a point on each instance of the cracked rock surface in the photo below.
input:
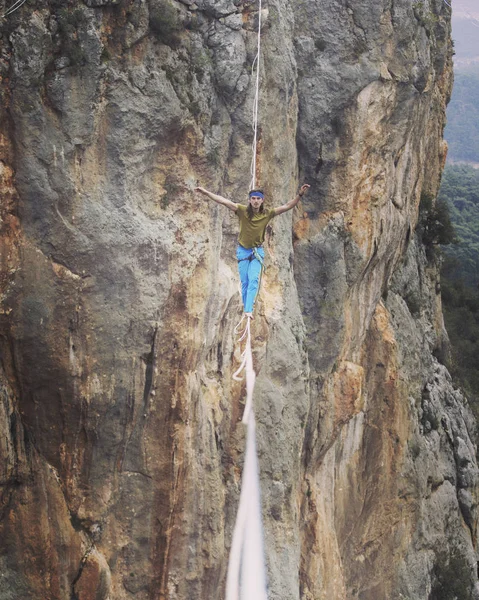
(121, 444)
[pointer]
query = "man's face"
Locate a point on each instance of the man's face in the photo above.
(256, 202)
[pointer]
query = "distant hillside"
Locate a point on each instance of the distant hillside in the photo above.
(460, 275)
(462, 130)
(460, 189)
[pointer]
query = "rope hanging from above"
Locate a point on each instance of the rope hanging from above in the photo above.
(246, 579)
(256, 63)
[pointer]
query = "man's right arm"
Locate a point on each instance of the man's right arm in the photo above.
(219, 199)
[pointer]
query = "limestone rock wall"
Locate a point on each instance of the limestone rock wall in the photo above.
(121, 443)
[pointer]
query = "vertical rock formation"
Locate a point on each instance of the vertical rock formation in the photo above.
(121, 444)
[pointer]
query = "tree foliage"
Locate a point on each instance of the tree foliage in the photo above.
(460, 276)
(461, 315)
(460, 192)
(435, 226)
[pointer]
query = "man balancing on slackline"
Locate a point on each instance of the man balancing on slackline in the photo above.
(250, 252)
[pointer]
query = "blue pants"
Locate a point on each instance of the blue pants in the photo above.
(249, 268)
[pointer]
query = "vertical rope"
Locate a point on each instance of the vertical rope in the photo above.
(256, 102)
(246, 578)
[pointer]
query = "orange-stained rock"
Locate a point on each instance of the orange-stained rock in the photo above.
(94, 580)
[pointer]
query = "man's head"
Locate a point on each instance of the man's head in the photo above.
(256, 199)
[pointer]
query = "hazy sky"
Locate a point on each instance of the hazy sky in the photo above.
(465, 31)
(461, 7)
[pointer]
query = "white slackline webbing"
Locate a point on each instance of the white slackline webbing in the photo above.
(246, 578)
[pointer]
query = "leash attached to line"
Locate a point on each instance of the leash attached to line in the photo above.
(247, 365)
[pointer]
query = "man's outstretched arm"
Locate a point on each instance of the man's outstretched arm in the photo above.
(292, 203)
(219, 199)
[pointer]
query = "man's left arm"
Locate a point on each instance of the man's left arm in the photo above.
(292, 203)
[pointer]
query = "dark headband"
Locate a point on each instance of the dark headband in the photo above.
(256, 193)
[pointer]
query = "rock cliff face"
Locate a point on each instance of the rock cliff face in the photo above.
(120, 441)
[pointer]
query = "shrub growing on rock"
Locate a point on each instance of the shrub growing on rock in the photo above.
(165, 22)
(434, 225)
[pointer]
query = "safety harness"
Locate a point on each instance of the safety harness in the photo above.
(256, 255)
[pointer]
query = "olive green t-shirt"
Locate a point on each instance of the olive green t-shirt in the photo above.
(252, 231)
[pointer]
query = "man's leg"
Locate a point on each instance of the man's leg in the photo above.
(243, 255)
(243, 273)
(254, 270)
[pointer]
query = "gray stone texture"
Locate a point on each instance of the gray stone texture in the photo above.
(121, 443)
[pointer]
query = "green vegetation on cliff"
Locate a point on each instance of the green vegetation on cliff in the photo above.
(460, 273)
(461, 315)
(460, 189)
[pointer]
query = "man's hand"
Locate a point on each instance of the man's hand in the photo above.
(303, 189)
(292, 203)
